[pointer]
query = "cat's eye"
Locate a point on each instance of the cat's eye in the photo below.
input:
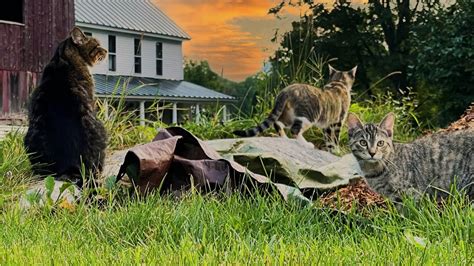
(380, 143)
(363, 143)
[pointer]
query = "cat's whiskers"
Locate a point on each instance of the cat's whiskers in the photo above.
(391, 166)
(386, 160)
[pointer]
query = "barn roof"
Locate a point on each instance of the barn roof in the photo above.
(151, 89)
(134, 15)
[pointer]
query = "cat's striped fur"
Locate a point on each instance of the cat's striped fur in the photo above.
(300, 106)
(429, 165)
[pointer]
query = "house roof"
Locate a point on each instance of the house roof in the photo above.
(151, 89)
(135, 15)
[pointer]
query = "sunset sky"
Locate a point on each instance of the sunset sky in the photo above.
(232, 35)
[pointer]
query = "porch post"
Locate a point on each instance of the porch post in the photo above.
(106, 108)
(159, 116)
(224, 113)
(175, 113)
(198, 113)
(142, 113)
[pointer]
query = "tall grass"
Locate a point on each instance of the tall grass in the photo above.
(122, 124)
(15, 171)
(234, 229)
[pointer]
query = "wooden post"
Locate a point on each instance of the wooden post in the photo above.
(175, 114)
(224, 113)
(142, 113)
(106, 108)
(198, 113)
(159, 115)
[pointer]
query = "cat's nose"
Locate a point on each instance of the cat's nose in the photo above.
(372, 153)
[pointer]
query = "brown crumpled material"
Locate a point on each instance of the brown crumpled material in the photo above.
(465, 122)
(357, 194)
(176, 161)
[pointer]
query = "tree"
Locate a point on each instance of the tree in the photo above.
(444, 49)
(428, 42)
(384, 22)
(343, 32)
(200, 72)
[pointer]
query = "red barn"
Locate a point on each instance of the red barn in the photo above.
(29, 32)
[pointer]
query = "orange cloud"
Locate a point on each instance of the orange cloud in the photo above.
(232, 35)
(221, 32)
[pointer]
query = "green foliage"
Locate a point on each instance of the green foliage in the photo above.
(15, 171)
(445, 61)
(342, 33)
(200, 72)
(13, 157)
(424, 47)
(121, 123)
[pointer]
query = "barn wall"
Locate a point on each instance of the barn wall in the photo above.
(26, 49)
(11, 46)
(15, 87)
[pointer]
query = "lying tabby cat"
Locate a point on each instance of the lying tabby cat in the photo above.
(301, 106)
(428, 165)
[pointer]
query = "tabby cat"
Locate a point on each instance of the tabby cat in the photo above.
(64, 132)
(300, 106)
(429, 165)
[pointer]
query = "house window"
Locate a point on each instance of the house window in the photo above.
(138, 65)
(159, 58)
(112, 53)
(138, 56)
(13, 11)
(89, 34)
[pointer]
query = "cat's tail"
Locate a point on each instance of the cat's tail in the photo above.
(280, 105)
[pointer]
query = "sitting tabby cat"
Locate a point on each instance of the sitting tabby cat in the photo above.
(63, 129)
(428, 165)
(301, 106)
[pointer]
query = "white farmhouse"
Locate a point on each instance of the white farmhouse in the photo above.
(145, 54)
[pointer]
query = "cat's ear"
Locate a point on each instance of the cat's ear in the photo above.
(332, 70)
(78, 37)
(387, 123)
(353, 122)
(353, 71)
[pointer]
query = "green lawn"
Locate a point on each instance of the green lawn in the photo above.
(231, 229)
(238, 230)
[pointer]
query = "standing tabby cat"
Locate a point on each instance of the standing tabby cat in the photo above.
(301, 106)
(428, 165)
(64, 132)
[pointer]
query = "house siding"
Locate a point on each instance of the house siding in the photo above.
(172, 56)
